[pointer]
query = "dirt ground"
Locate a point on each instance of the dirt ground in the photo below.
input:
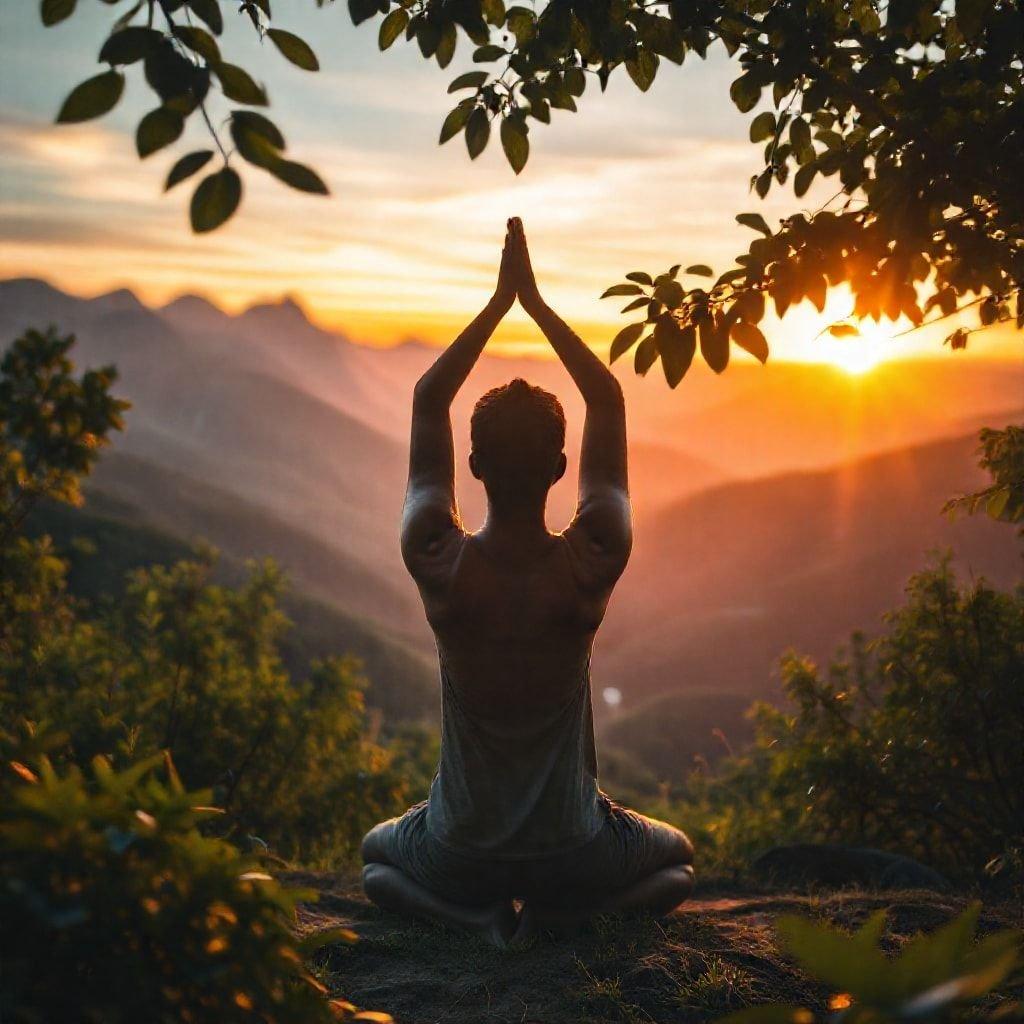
(716, 954)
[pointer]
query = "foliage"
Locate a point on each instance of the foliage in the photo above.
(52, 425)
(910, 743)
(1002, 454)
(914, 106)
(117, 909)
(932, 975)
(177, 662)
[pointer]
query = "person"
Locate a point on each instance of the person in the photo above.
(514, 811)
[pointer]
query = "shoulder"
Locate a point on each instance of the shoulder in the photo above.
(432, 534)
(600, 536)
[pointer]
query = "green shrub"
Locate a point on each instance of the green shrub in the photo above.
(910, 743)
(932, 978)
(116, 908)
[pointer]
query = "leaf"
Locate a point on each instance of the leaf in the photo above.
(635, 304)
(54, 11)
(640, 277)
(803, 178)
(625, 340)
(478, 131)
(763, 183)
(676, 346)
(714, 345)
(622, 289)
(515, 143)
(455, 122)
(157, 129)
(239, 86)
(130, 44)
(486, 54)
(362, 10)
(470, 80)
(293, 48)
(254, 146)
(745, 92)
(755, 221)
(92, 98)
(209, 12)
(259, 124)
(199, 41)
(392, 27)
(299, 177)
(643, 358)
(843, 331)
(700, 269)
(750, 339)
(643, 69)
(762, 127)
(445, 48)
(215, 200)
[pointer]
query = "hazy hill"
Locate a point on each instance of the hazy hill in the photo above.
(721, 583)
(402, 681)
(268, 434)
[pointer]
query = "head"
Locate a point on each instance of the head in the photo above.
(518, 436)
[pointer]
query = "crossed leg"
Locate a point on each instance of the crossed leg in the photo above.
(392, 889)
(658, 893)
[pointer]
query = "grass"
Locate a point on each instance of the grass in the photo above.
(715, 955)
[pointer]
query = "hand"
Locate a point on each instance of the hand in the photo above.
(505, 290)
(526, 283)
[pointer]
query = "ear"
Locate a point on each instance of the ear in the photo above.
(474, 468)
(559, 469)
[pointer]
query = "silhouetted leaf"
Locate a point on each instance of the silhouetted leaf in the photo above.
(700, 269)
(259, 124)
(392, 27)
(803, 178)
(239, 86)
(625, 340)
(299, 176)
(455, 121)
(187, 166)
(843, 331)
(157, 129)
(362, 10)
(755, 221)
(750, 338)
(130, 44)
(643, 358)
(714, 345)
(92, 98)
(643, 69)
(294, 49)
(209, 12)
(622, 289)
(515, 143)
(215, 200)
(478, 131)
(640, 277)
(762, 127)
(470, 80)
(676, 345)
(199, 41)
(54, 11)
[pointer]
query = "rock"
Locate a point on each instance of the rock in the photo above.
(834, 866)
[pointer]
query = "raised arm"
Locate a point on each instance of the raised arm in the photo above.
(430, 519)
(603, 518)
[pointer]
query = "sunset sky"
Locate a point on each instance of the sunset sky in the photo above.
(407, 244)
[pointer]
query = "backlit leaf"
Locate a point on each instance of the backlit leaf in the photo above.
(187, 166)
(92, 98)
(215, 200)
(157, 129)
(297, 50)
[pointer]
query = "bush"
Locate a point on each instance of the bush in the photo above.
(116, 909)
(910, 743)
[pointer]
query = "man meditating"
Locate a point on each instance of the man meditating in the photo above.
(514, 811)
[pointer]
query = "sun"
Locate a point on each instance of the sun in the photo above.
(857, 354)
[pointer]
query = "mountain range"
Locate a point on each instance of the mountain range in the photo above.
(775, 506)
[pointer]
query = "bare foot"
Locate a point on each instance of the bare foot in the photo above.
(498, 925)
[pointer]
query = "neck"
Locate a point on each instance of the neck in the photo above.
(520, 520)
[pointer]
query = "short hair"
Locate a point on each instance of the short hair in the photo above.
(518, 432)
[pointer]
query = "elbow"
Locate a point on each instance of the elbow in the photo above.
(609, 395)
(425, 394)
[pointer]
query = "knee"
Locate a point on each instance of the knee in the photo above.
(373, 880)
(371, 849)
(684, 850)
(677, 885)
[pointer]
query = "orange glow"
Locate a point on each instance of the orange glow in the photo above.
(861, 353)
